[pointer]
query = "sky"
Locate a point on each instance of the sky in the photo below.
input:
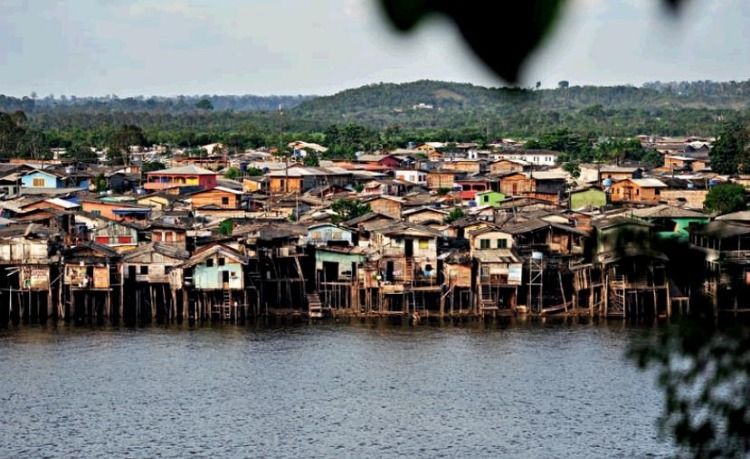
(171, 47)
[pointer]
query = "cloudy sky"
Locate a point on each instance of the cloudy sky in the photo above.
(168, 47)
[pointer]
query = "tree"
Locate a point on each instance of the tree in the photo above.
(152, 166)
(564, 84)
(726, 198)
(311, 160)
(226, 227)
(232, 173)
(100, 183)
(730, 151)
(82, 153)
(347, 209)
(121, 140)
(454, 215)
(204, 104)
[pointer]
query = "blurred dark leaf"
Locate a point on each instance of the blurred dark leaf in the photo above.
(502, 34)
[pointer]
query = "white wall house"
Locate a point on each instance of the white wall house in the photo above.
(534, 157)
(411, 175)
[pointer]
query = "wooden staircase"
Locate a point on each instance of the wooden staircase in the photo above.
(314, 306)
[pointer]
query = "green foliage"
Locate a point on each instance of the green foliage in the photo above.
(232, 173)
(311, 160)
(100, 182)
(454, 215)
(152, 166)
(226, 227)
(705, 375)
(204, 104)
(82, 153)
(731, 151)
(573, 168)
(120, 141)
(347, 209)
(443, 191)
(359, 187)
(253, 172)
(726, 198)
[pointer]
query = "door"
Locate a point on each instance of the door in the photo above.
(330, 271)
(409, 247)
(225, 279)
(389, 271)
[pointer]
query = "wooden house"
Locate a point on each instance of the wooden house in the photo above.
(468, 166)
(387, 205)
(166, 233)
(597, 173)
(635, 276)
(180, 177)
(119, 236)
(29, 257)
(91, 281)
(408, 252)
(152, 278)
(424, 215)
(645, 190)
(216, 197)
(216, 274)
(158, 201)
(116, 210)
(441, 179)
(299, 179)
(505, 166)
(329, 234)
(516, 184)
(726, 247)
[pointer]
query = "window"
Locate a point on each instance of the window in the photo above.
(210, 263)
(486, 198)
(96, 213)
(424, 244)
(502, 243)
(39, 182)
(102, 239)
(225, 201)
(144, 269)
(484, 243)
(124, 239)
(656, 192)
(222, 261)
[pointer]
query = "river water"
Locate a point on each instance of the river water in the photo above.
(326, 390)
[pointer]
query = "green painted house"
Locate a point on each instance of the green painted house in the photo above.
(588, 198)
(671, 222)
(489, 198)
(338, 264)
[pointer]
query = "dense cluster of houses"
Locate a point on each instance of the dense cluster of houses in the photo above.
(453, 231)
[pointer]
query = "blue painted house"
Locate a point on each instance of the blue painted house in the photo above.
(41, 179)
(216, 267)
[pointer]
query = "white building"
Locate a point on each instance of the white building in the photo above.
(534, 157)
(411, 175)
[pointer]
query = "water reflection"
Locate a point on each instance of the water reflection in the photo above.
(365, 389)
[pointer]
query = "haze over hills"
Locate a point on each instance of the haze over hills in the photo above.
(667, 108)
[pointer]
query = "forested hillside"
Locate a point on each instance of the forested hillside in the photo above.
(379, 115)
